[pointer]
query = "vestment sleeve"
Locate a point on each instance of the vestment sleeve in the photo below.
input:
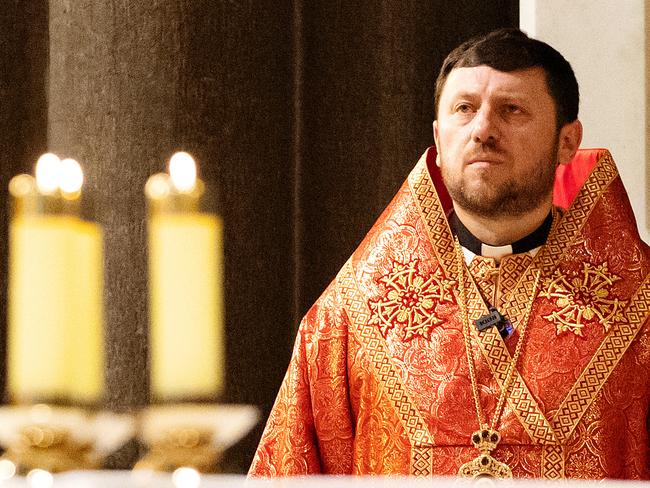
(310, 428)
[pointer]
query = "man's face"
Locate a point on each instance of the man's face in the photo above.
(497, 140)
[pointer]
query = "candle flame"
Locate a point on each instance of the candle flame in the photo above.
(22, 185)
(48, 171)
(72, 176)
(157, 186)
(182, 170)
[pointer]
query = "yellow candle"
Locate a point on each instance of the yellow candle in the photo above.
(55, 340)
(85, 329)
(186, 283)
(40, 304)
(85, 337)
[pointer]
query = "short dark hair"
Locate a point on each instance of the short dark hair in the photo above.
(511, 50)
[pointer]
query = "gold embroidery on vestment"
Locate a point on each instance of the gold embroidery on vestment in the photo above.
(411, 300)
(583, 298)
(421, 461)
(602, 363)
(494, 349)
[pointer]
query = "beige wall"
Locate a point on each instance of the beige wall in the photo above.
(605, 42)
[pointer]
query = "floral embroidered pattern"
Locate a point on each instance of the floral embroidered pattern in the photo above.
(411, 300)
(582, 298)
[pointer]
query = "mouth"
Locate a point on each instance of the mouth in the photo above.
(484, 161)
(485, 156)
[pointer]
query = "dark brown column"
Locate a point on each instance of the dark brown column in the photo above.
(114, 74)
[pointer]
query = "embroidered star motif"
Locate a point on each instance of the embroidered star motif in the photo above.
(583, 298)
(411, 300)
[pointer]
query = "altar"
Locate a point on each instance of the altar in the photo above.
(130, 479)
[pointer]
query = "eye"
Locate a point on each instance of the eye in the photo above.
(512, 108)
(463, 108)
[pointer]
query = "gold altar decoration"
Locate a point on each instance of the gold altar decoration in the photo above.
(59, 439)
(191, 435)
(56, 340)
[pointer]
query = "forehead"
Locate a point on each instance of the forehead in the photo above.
(486, 81)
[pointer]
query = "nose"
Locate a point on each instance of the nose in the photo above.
(485, 129)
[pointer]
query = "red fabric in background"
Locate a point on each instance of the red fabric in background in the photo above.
(436, 177)
(569, 178)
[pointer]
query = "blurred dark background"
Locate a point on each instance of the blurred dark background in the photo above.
(305, 117)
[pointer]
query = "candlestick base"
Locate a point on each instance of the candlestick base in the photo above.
(192, 435)
(60, 439)
(183, 446)
(49, 448)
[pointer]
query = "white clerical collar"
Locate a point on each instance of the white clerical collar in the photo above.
(495, 252)
(528, 244)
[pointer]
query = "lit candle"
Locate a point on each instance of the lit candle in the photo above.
(85, 337)
(55, 288)
(185, 286)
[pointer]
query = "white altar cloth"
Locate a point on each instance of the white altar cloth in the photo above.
(128, 479)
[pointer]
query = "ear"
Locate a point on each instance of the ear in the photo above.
(569, 141)
(436, 139)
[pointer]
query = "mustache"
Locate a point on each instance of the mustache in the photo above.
(485, 151)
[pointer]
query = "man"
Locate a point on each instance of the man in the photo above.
(494, 325)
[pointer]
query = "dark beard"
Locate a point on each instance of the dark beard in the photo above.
(509, 198)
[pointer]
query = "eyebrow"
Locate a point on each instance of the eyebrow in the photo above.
(518, 96)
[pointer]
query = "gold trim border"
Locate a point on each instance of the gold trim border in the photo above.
(380, 359)
(421, 461)
(553, 462)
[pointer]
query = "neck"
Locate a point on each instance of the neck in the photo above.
(503, 230)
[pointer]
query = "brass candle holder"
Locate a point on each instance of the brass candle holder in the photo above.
(59, 439)
(191, 435)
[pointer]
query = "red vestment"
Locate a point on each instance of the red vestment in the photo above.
(379, 379)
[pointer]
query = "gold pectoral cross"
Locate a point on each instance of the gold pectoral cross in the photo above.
(484, 465)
